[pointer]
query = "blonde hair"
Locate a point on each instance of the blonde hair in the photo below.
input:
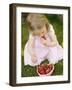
(36, 22)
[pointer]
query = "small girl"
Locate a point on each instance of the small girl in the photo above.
(42, 43)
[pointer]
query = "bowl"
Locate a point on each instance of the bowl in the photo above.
(45, 69)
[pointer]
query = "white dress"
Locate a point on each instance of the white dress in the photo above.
(53, 54)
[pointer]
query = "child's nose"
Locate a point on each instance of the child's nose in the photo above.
(43, 33)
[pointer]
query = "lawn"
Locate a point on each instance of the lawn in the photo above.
(57, 22)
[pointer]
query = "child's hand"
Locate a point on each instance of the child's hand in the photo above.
(44, 41)
(49, 43)
(34, 58)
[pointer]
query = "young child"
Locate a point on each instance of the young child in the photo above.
(42, 43)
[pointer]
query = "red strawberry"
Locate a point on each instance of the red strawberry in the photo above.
(50, 66)
(41, 70)
(48, 70)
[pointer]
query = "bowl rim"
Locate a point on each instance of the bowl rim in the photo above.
(48, 74)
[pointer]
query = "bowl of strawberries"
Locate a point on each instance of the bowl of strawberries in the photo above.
(45, 69)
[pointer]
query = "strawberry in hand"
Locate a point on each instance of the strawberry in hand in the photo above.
(43, 40)
(43, 37)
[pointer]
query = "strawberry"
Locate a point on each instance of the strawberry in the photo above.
(48, 70)
(45, 69)
(41, 70)
(50, 66)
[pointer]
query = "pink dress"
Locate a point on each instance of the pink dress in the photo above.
(53, 54)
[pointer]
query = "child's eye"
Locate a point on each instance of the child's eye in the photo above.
(39, 27)
(42, 31)
(32, 28)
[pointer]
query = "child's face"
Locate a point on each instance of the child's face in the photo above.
(43, 31)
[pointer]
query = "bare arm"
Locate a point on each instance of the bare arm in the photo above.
(31, 49)
(52, 37)
(49, 43)
(31, 44)
(52, 43)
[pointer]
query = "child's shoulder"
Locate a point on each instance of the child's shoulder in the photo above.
(31, 36)
(50, 25)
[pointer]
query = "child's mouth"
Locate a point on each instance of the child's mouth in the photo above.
(43, 37)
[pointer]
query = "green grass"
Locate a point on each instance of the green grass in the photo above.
(29, 71)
